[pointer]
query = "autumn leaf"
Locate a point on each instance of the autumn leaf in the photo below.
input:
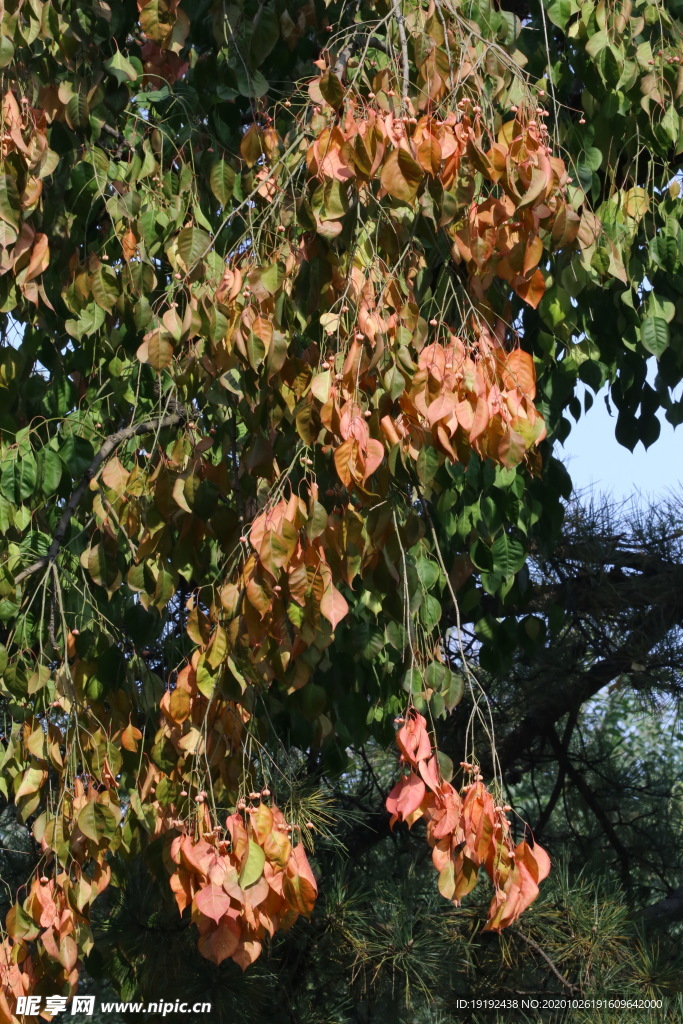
(333, 605)
(401, 176)
(213, 902)
(221, 942)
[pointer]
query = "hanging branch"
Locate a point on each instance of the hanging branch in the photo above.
(109, 446)
(401, 24)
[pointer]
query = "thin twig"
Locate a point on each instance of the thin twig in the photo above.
(401, 25)
(541, 952)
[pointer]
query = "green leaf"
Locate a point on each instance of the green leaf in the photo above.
(206, 678)
(662, 308)
(89, 322)
(97, 821)
(77, 455)
(19, 478)
(105, 287)
(250, 83)
(120, 68)
(252, 869)
(101, 561)
(428, 572)
(430, 612)
(256, 350)
(654, 334)
(10, 204)
(6, 51)
(265, 34)
(428, 462)
(78, 112)
(560, 12)
(664, 251)
(509, 555)
(222, 180)
(192, 244)
(332, 90)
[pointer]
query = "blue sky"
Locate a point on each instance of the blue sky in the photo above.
(595, 459)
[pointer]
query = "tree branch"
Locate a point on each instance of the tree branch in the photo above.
(666, 910)
(554, 702)
(110, 445)
(594, 804)
(541, 952)
(401, 24)
(559, 783)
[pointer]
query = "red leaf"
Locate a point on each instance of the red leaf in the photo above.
(406, 797)
(413, 739)
(535, 860)
(221, 942)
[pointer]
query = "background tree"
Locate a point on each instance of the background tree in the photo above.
(296, 299)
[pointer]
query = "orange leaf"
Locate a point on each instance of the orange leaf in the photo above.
(532, 253)
(251, 146)
(68, 953)
(532, 291)
(179, 705)
(129, 245)
(429, 155)
(300, 889)
(345, 458)
(262, 823)
(519, 373)
(333, 605)
(246, 953)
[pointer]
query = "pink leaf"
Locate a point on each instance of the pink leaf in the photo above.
(213, 902)
(373, 457)
(333, 605)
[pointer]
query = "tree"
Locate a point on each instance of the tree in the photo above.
(296, 299)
